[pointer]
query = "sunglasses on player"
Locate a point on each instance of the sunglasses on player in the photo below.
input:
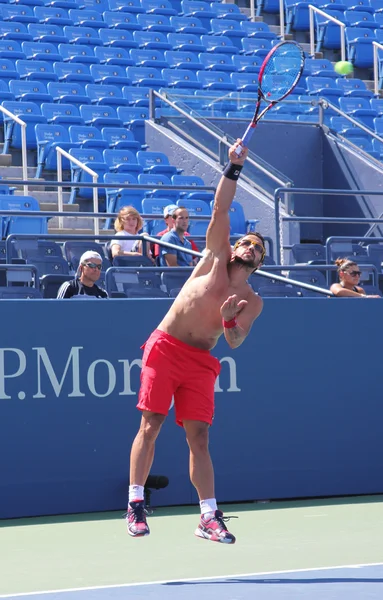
(93, 265)
(247, 243)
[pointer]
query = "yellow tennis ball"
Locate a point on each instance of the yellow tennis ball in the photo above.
(343, 67)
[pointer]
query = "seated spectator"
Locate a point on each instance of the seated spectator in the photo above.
(349, 275)
(170, 257)
(84, 284)
(128, 223)
(168, 218)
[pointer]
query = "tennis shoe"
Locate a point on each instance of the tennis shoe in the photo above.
(214, 529)
(136, 519)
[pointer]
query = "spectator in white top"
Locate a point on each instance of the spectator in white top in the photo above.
(128, 223)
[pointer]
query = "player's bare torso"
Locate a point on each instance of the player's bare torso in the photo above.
(194, 317)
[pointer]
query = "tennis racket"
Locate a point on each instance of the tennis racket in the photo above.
(279, 74)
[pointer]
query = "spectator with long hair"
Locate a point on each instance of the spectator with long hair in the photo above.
(127, 224)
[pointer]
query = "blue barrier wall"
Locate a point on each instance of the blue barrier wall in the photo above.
(298, 406)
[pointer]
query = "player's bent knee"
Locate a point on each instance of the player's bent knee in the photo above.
(151, 423)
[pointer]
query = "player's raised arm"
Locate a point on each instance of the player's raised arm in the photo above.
(217, 237)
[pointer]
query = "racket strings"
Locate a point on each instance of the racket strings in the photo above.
(281, 72)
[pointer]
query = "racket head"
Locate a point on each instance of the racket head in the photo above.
(280, 71)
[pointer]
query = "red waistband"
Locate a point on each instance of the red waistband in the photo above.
(157, 333)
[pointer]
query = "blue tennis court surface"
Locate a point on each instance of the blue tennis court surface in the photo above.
(358, 582)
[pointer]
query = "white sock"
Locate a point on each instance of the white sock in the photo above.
(208, 508)
(136, 492)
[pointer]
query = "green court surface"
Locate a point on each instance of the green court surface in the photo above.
(78, 551)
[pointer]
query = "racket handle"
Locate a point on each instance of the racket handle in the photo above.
(246, 138)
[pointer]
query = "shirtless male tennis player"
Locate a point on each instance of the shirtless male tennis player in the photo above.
(177, 362)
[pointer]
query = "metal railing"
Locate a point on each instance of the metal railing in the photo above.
(24, 160)
(348, 238)
(376, 47)
(324, 104)
(94, 175)
(282, 19)
(282, 194)
(342, 26)
(220, 137)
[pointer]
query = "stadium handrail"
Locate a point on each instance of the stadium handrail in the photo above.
(149, 239)
(325, 104)
(348, 238)
(93, 174)
(315, 9)
(24, 161)
(281, 195)
(221, 138)
(376, 47)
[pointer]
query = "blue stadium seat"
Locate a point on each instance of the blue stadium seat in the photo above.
(297, 15)
(255, 47)
(375, 253)
(82, 35)
(11, 49)
(221, 44)
(257, 29)
(157, 181)
(48, 138)
(217, 62)
(378, 124)
(24, 2)
(110, 75)
(354, 87)
(247, 64)
(67, 4)
(158, 7)
(151, 40)
(22, 224)
(359, 5)
(200, 10)
(46, 265)
(92, 159)
(113, 56)
(304, 253)
(85, 136)
(228, 28)
(277, 290)
(146, 76)
(327, 32)
(52, 16)
(365, 144)
(229, 11)
(74, 249)
(5, 93)
(137, 96)
(179, 59)
(116, 198)
(117, 38)
(156, 23)
(377, 5)
(51, 34)
(67, 93)
(122, 161)
(99, 6)
(181, 78)
(62, 114)
(120, 138)
(343, 249)
(377, 104)
(359, 46)
(7, 70)
(323, 86)
(320, 67)
(87, 18)
(19, 292)
(30, 113)
(122, 20)
(111, 95)
(344, 127)
(156, 162)
(215, 80)
(187, 42)
(173, 281)
(154, 206)
(312, 277)
(30, 91)
(360, 109)
(188, 25)
(100, 116)
(195, 181)
(356, 18)
(18, 13)
(40, 51)
(35, 70)
(80, 53)
(245, 82)
(133, 6)
(72, 72)
(133, 117)
(148, 58)
(50, 284)
(14, 31)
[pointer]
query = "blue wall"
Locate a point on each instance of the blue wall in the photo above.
(299, 414)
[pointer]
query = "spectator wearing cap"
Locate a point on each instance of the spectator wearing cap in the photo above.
(168, 218)
(170, 257)
(127, 224)
(84, 284)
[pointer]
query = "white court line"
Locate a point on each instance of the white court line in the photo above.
(167, 581)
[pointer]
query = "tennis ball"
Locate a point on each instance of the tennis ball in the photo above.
(343, 67)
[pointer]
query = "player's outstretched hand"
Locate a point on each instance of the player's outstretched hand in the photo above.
(234, 157)
(232, 307)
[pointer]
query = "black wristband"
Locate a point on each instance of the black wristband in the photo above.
(232, 171)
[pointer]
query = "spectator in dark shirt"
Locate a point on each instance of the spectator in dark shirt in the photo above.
(349, 277)
(84, 284)
(177, 258)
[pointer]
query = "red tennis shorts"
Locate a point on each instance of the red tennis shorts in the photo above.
(172, 368)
